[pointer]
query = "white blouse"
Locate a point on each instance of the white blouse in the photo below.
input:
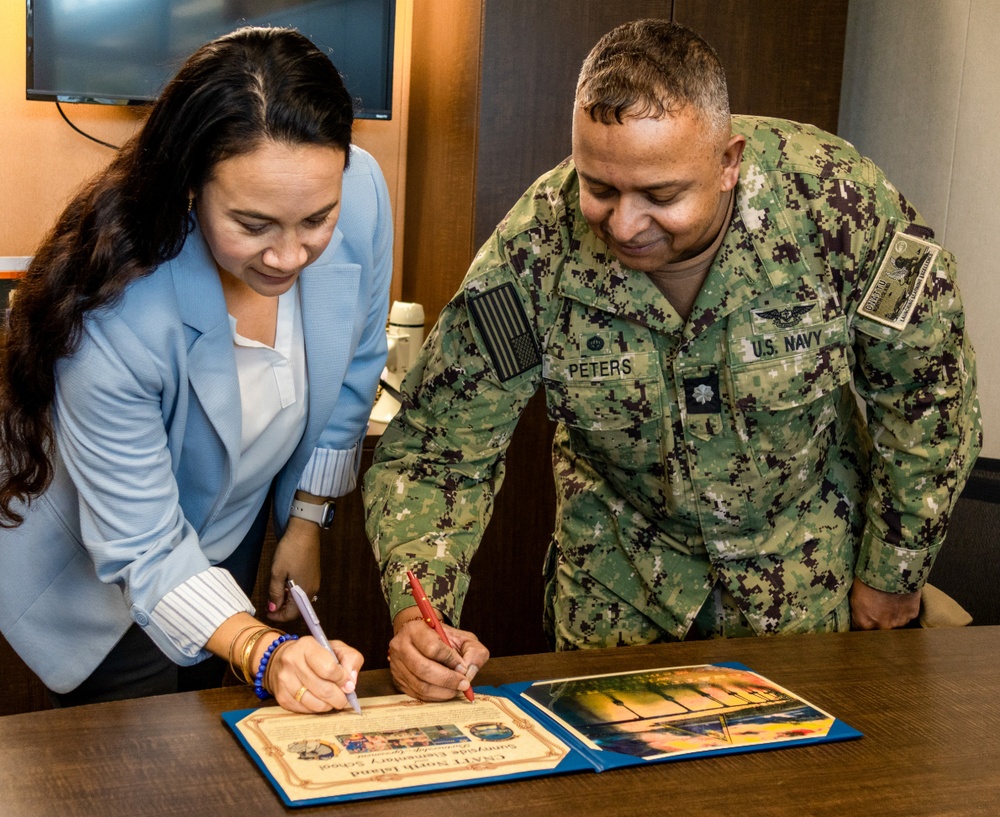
(274, 394)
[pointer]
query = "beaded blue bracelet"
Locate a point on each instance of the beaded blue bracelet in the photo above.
(258, 680)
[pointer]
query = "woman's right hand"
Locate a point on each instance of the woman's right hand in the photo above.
(303, 677)
(424, 667)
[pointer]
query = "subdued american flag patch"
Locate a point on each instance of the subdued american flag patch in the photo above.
(501, 320)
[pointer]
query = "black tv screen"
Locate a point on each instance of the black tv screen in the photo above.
(122, 52)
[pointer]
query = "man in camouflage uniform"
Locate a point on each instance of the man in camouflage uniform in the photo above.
(696, 294)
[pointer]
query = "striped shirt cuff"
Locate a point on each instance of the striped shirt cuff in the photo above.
(192, 611)
(331, 472)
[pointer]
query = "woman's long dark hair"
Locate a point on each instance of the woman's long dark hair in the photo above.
(252, 85)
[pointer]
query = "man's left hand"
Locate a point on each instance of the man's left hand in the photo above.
(873, 609)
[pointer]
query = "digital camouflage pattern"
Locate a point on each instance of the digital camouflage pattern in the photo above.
(726, 449)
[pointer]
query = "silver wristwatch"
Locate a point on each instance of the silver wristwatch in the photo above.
(321, 513)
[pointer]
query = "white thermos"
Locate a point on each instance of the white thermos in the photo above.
(405, 334)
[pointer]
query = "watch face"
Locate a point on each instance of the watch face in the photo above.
(329, 509)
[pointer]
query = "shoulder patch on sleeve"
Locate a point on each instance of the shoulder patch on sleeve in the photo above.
(900, 280)
(500, 317)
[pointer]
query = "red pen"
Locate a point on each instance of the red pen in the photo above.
(430, 618)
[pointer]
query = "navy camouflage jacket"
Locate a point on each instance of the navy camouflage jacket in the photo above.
(815, 418)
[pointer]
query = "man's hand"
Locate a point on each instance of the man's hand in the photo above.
(296, 557)
(427, 669)
(873, 609)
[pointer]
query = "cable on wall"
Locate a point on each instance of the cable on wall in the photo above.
(62, 113)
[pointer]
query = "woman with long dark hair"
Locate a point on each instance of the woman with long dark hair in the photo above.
(198, 338)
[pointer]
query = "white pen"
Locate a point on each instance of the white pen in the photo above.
(312, 622)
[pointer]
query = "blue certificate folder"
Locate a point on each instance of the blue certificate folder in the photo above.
(528, 729)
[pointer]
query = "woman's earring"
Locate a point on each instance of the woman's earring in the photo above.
(190, 204)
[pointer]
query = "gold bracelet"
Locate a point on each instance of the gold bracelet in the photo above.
(232, 644)
(247, 648)
(251, 642)
(248, 671)
(264, 682)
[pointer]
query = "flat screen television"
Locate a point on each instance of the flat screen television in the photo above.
(122, 52)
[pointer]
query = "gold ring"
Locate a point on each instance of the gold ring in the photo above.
(298, 695)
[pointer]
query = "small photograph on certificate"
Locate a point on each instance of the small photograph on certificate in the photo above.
(656, 714)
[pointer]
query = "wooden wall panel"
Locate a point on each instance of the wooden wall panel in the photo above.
(441, 149)
(532, 53)
(782, 57)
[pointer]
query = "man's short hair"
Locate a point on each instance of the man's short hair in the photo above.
(652, 68)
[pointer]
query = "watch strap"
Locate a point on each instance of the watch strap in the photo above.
(318, 512)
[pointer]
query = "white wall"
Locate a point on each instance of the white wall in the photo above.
(919, 97)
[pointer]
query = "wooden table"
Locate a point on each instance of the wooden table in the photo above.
(927, 701)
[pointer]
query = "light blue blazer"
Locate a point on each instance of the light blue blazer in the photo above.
(148, 429)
